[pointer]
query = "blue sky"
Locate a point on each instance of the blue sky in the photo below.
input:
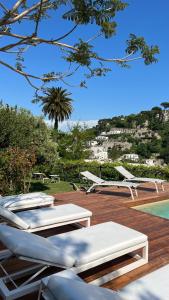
(123, 91)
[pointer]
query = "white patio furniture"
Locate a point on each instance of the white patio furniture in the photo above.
(104, 183)
(67, 285)
(131, 178)
(54, 178)
(78, 250)
(26, 201)
(44, 218)
(40, 176)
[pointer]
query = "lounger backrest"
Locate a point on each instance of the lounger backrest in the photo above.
(34, 248)
(12, 218)
(92, 177)
(124, 172)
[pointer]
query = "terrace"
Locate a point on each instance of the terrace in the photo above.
(113, 205)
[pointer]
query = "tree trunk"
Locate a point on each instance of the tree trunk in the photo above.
(56, 124)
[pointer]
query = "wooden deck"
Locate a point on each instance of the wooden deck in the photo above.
(115, 205)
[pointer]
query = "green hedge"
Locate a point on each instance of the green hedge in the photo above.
(70, 170)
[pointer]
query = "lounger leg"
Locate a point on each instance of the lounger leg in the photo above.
(131, 192)
(91, 188)
(88, 222)
(40, 292)
(136, 192)
(145, 253)
(156, 186)
(162, 187)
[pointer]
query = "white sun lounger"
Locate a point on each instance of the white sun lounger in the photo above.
(100, 182)
(25, 201)
(67, 285)
(78, 250)
(46, 217)
(131, 178)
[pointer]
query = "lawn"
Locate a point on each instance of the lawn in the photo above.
(50, 187)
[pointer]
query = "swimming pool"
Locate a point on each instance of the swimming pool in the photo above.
(160, 208)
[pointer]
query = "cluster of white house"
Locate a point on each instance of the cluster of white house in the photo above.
(99, 149)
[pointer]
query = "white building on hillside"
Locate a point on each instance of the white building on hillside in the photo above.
(102, 138)
(99, 153)
(130, 156)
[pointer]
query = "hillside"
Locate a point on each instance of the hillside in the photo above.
(145, 134)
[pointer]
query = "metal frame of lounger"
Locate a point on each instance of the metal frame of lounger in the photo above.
(87, 221)
(105, 183)
(154, 181)
(114, 184)
(29, 287)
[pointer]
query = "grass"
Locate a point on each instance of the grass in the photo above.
(50, 187)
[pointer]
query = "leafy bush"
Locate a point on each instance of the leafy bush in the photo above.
(70, 170)
(16, 170)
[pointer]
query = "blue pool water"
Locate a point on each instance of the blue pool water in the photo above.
(160, 209)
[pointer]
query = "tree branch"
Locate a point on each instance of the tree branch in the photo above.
(3, 6)
(5, 21)
(27, 75)
(94, 37)
(65, 35)
(16, 6)
(17, 36)
(38, 19)
(10, 46)
(124, 59)
(33, 41)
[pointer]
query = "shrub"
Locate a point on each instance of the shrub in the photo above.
(16, 170)
(70, 170)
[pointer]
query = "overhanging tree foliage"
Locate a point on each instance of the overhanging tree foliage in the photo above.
(81, 53)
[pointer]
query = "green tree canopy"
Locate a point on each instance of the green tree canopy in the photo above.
(19, 128)
(79, 52)
(75, 144)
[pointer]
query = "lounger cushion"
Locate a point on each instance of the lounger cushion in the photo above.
(66, 286)
(89, 244)
(153, 286)
(12, 218)
(48, 216)
(73, 248)
(34, 247)
(37, 198)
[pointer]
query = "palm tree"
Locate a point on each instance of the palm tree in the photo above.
(56, 105)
